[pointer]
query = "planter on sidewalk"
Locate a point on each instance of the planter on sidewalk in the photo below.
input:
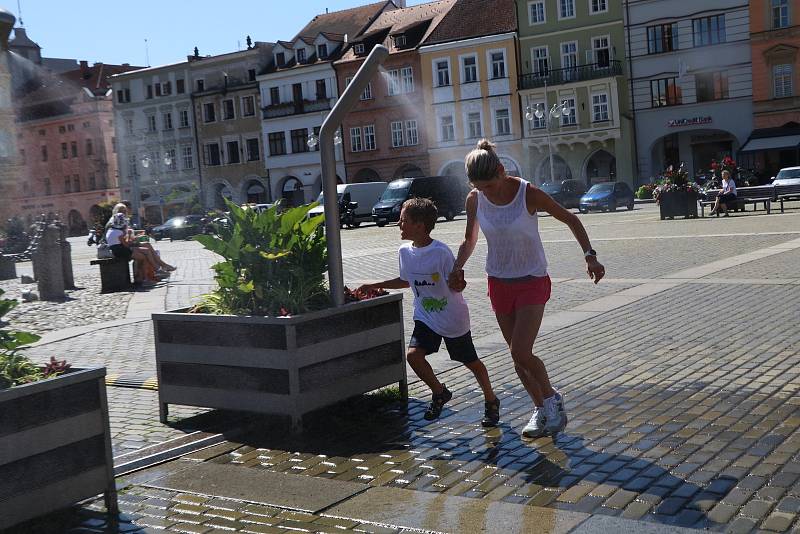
(279, 365)
(55, 445)
(678, 204)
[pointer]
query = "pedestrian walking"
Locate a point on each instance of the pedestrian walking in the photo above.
(506, 209)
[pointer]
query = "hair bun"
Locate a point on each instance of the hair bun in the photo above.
(485, 144)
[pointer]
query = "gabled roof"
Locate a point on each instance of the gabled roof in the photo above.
(96, 77)
(475, 18)
(347, 21)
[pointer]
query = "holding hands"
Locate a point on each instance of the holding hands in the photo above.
(456, 280)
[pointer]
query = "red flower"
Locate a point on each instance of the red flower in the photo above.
(283, 312)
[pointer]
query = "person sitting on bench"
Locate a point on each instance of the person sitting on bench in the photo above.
(727, 195)
(119, 238)
(146, 248)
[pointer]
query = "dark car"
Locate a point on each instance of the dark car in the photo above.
(566, 192)
(179, 228)
(607, 197)
(447, 192)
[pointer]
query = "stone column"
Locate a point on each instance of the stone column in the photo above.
(8, 269)
(66, 258)
(50, 277)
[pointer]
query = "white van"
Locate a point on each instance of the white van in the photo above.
(365, 193)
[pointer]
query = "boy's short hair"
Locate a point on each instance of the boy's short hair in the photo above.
(422, 210)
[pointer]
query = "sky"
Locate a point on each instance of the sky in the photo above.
(115, 32)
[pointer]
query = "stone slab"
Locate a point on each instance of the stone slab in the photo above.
(429, 512)
(295, 492)
(602, 524)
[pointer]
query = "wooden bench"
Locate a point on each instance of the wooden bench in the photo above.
(785, 193)
(115, 275)
(744, 195)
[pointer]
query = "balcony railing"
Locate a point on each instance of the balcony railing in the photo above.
(295, 108)
(570, 75)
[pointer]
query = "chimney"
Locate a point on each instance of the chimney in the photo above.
(84, 65)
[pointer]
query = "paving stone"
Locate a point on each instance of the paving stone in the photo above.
(779, 521)
(757, 509)
(620, 499)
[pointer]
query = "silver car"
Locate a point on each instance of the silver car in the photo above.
(788, 176)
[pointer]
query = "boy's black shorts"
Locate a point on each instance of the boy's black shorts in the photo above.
(461, 349)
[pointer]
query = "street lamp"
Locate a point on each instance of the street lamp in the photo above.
(556, 111)
(313, 140)
(146, 161)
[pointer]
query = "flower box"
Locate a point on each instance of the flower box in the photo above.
(678, 204)
(279, 365)
(55, 445)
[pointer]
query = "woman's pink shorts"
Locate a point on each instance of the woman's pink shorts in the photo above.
(507, 295)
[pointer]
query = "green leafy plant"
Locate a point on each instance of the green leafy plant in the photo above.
(15, 368)
(274, 263)
(645, 191)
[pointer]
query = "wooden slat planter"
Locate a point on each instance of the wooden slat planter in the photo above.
(55, 446)
(280, 365)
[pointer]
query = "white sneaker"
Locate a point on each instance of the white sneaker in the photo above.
(536, 426)
(556, 417)
(562, 410)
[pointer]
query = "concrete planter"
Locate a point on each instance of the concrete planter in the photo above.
(280, 365)
(678, 204)
(55, 446)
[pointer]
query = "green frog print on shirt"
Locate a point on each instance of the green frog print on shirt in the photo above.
(430, 304)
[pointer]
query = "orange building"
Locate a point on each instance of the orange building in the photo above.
(775, 46)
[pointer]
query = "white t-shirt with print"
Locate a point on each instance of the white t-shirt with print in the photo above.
(426, 270)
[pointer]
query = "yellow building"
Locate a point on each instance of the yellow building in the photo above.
(469, 78)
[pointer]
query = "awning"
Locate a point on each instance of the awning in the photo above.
(769, 143)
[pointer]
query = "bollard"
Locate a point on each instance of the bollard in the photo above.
(8, 268)
(49, 274)
(66, 258)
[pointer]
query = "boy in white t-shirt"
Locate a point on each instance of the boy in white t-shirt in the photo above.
(439, 312)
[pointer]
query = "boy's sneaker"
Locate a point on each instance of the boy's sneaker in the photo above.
(536, 426)
(562, 410)
(437, 403)
(491, 413)
(556, 417)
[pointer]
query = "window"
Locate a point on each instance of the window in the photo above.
(169, 155)
(70, 127)
(232, 151)
(367, 94)
(251, 75)
(569, 119)
(277, 143)
(369, 137)
(22, 156)
(442, 73)
(87, 124)
(180, 86)
(120, 96)
(167, 118)
(150, 92)
(358, 48)
(780, 13)
(502, 122)
(209, 112)
(248, 106)
(64, 151)
(662, 38)
(89, 147)
(166, 88)
(158, 89)
(47, 188)
(569, 59)
(184, 118)
(114, 145)
(393, 83)
(132, 165)
(412, 135)
(711, 86)
(541, 61)
(470, 69)
(129, 125)
(62, 129)
(600, 107)
(253, 152)
(782, 80)
(213, 154)
(407, 79)
(44, 152)
(76, 183)
(538, 122)
(316, 134)
(322, 91)
(301, 55)
(474, 124)
(708, 30)
(73, 145)
(188, 159)
(322, 51)
(228, 112)
(67, 184)
(601, 52)
(92, 181)
(299, 140)
(397, 134)
(447, 129)
(280, 59)
(274, 96)
(42, 132)
(399, 40)
(201, 85)
(598, 6)
(566, 9)
(151, 123)
(665, 92)
(536, 12)
(355, 140)
(498, 65)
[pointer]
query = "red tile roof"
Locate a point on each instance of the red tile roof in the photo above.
(96, 77)
(475, 18)
(348, 21)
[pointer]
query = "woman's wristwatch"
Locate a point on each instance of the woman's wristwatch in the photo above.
(591, 252)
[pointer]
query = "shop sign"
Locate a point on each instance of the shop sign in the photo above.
(672, 123)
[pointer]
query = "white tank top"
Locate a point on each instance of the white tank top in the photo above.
(512, 233)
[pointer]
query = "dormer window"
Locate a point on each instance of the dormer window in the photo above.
(322, 51)
(301, 55)
(280, 59)
(358, 48)
(399, 41)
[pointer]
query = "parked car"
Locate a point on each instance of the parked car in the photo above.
(180, 227)
(787, 176)
(606, 197)
(568, 193)
(447, 192)
(365, 194)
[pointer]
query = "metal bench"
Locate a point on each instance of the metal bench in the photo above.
(115, 275)
(785, 193)
(744, 195)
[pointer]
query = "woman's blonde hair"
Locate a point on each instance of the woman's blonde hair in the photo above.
(482, 162)
(118, 208)
(726, 172)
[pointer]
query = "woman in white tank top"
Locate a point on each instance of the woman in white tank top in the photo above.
(505, 208)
